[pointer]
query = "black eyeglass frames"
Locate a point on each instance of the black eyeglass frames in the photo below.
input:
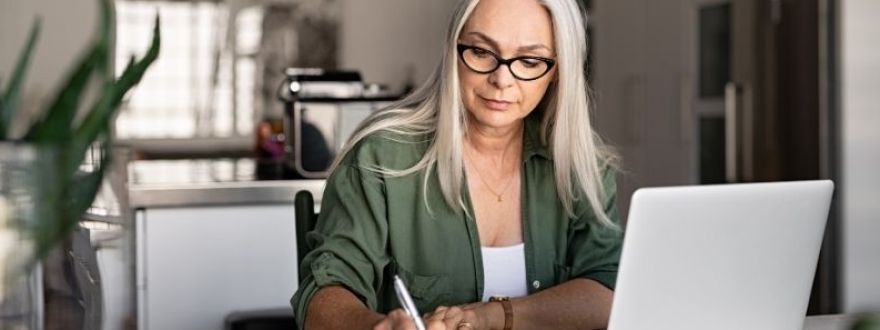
(484, 61)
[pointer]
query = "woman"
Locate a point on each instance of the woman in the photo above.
(487, 181)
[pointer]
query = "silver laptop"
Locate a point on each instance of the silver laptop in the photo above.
(737, 256)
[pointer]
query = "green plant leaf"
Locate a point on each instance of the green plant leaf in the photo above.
(56, 126)
(108, 25)
(84, 188)
(48, 185)
(57, 122)
(98, 119)
(86, 185)
(13, 92)
(2, 103)
(80, 141)
(65, 191)
(76, 196)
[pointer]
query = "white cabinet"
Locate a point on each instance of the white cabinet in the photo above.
(198, 264)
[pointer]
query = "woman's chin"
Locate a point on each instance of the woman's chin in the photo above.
(497, 119)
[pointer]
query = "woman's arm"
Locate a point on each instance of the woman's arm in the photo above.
(347, 251)
(334, 307)
(576, 304)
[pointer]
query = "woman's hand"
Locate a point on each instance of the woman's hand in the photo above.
(398, 319)
(463, 317)
(448, 318)
(442, 318)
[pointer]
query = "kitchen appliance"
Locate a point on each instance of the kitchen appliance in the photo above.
(321, 110)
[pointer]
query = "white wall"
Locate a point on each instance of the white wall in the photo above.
(860, 187)
(381, 38)
(67, 26)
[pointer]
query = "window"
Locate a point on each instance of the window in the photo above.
(203, 83)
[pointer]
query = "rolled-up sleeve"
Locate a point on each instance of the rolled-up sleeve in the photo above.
(594, 248)
(348, 243)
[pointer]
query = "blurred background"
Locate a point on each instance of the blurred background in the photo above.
(688, 91)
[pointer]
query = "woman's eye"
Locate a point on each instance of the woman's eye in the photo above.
(530, 63)
(482, 52)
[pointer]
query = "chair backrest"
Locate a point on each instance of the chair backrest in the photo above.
(304, 211)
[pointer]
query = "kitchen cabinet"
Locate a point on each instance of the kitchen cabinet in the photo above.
(724, 91)
(209, 245)
(642, 78)
(198, 264)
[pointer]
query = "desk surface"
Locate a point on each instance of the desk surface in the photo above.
(830, 322)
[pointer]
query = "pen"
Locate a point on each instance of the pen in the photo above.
(406, 301)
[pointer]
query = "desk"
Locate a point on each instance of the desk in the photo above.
(830, 322)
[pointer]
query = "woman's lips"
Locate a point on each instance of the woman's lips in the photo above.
(494, 104)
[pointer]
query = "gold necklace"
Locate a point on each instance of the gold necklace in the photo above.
(486, 184)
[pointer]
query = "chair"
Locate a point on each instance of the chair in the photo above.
(281, 318)
(262, 319)
(306, 218)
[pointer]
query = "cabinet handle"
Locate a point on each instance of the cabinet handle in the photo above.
(731, 94)
(738, 119)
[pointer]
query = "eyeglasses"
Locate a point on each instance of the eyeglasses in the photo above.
(524, 68)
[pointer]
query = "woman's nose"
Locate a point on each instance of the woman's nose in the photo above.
(502, 77)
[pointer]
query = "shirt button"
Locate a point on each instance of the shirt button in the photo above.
(536, 284)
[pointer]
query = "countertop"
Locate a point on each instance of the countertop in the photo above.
(203, 182)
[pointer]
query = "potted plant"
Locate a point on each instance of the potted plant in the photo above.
(45, 189)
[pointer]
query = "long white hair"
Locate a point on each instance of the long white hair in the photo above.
(435, 109)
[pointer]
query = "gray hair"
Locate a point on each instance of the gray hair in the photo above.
(436, 109)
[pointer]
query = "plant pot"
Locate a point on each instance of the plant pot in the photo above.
(27, 173)
(61, 287)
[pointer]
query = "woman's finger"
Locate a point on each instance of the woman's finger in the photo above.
(434, 320)
(396, 320)
(384, 324)
(472, 305)
(435, 324)
(454, 316)
(469, 320)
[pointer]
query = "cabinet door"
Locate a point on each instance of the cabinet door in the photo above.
(640, 70)
(198, 264)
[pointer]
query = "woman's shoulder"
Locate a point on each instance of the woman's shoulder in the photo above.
(388, 150)
(609, 170)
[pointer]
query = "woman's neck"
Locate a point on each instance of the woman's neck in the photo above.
(497, 144)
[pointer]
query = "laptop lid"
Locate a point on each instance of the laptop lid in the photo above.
(736, 256)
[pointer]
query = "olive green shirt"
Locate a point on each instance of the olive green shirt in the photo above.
(373, 226)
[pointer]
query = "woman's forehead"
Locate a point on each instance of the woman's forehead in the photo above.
(510, 23)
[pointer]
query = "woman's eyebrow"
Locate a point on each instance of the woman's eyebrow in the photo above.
(534, 47)
(484, 38)
(494, 43)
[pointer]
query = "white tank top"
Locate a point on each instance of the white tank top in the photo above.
(504, 271)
